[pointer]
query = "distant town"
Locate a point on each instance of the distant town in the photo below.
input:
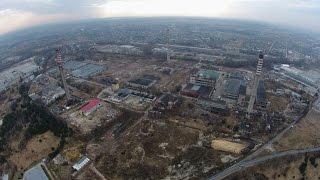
(152, 98)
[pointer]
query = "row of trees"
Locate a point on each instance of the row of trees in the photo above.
(268, 63)
(32, 116)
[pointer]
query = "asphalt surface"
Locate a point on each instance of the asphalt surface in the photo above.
(246, 164)
(317, 104)
(250, 161)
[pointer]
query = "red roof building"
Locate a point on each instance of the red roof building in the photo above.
(91, 106)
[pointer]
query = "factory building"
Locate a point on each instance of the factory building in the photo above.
(242, 95)
(216, 106)
(261, 100)
(45, 90)
(165, 104)
(51, 93)
(232, 89)
(120, 49)
(142, 83)
(19, 72)
(205, 78)
(196, 91)
(309, 79)
(88, 70)
(35, 173)
(236, 75)
(81, 163)
(91, 106)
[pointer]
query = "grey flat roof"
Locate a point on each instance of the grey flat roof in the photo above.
(195, 88)
(261, 92)
(232, 86)
(35, 173)
(88, 70)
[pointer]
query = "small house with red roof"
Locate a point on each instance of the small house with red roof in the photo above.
(91, 106)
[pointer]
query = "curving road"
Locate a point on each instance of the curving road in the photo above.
(317, 104)
(245, 164)
(250, 161)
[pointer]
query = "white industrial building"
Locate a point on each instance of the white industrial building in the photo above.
(22, 71)
(81, 163)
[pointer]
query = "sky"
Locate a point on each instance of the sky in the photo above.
(18, 14)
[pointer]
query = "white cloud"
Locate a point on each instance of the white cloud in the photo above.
(306, 4)
(11, 19)
(212, 8)
(21, 13)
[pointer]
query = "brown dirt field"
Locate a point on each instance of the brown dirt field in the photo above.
(35, 150)
(188, 123)
(277, 103)
(305, 134)
(231, 120)
(146, 157)
(272, 85)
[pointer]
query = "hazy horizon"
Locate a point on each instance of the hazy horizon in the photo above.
(147, 18)
(19, 14)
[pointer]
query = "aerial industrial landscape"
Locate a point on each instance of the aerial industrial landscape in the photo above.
(159, 98)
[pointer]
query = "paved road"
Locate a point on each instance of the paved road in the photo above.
(97, 172)
(245, 164)
(317, 104)
(189, 47)
(250, 159)
(279, 136)
(238, 166)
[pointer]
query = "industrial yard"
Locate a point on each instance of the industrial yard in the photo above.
(110, 110)
(172, 133)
